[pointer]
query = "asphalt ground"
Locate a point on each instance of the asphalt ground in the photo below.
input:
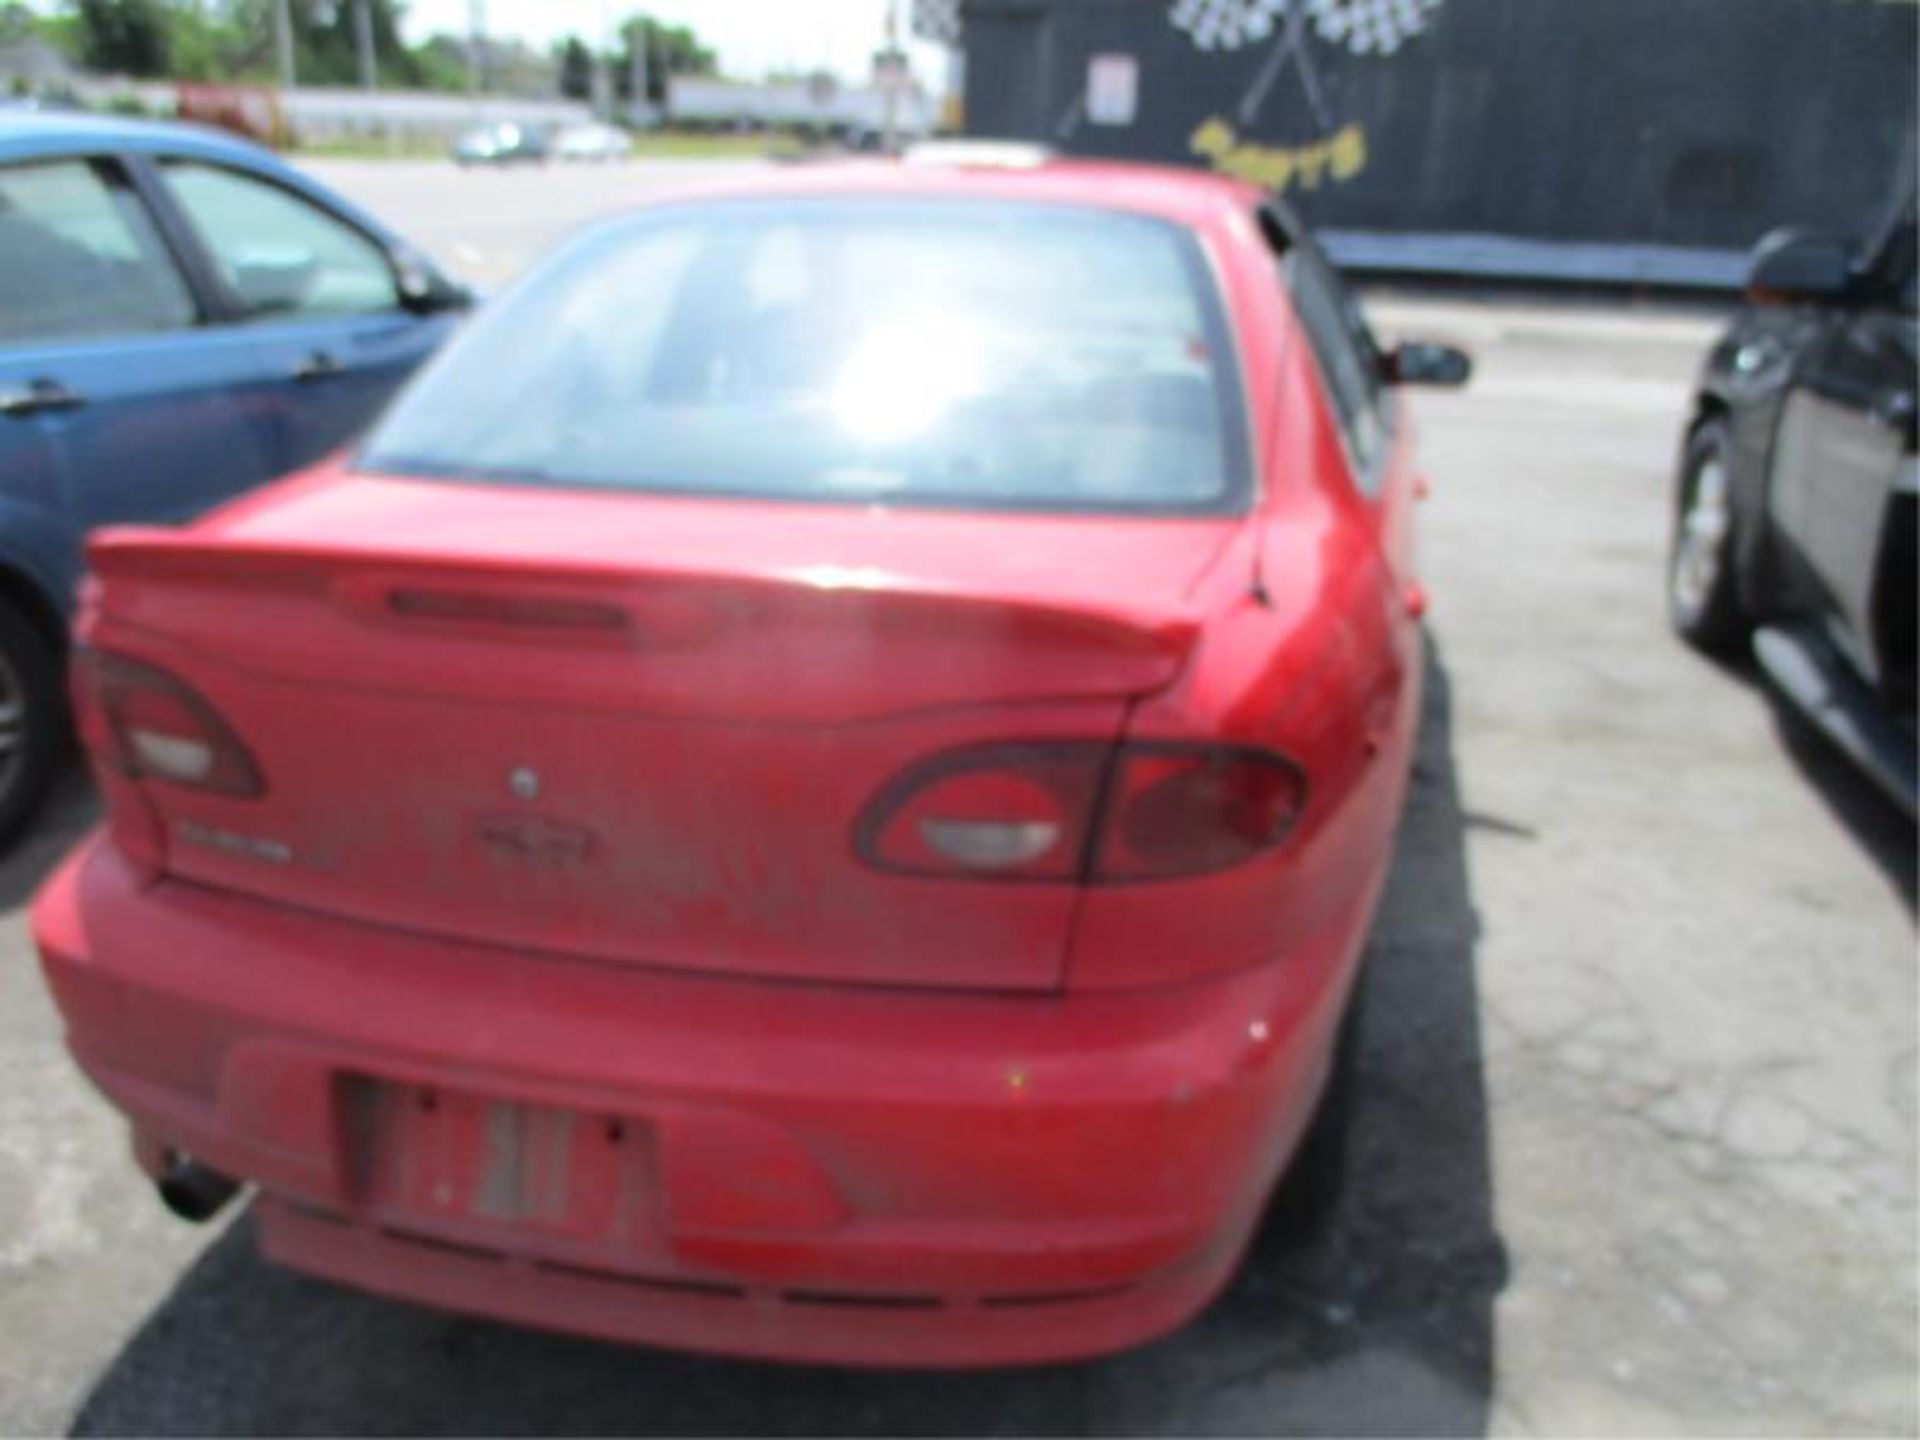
(1636, 1144)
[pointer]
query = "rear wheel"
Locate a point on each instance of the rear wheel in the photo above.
(31, 718)
(1702, 591)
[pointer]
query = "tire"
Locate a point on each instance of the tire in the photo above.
(33, 718)
(1703, 591)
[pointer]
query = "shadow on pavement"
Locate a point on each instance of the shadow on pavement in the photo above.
(1877, 825)
(69, 811)
(1384, 1326)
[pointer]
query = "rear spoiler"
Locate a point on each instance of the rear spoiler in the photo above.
(795, 629)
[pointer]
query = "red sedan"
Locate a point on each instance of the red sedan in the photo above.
(815, 790)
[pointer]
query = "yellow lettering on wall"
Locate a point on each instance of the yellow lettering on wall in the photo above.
(1212, 139)
(1338, 157)
(1313, 164)
(1349, 152)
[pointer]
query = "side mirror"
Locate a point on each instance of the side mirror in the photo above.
(269, 280)
(1791, 265)
(1418, 363)
(424, 290)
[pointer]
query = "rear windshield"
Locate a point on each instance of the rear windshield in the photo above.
(864, 351)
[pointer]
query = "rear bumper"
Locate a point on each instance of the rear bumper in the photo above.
(814, 1173)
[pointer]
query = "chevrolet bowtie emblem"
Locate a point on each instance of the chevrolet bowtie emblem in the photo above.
(537, 841)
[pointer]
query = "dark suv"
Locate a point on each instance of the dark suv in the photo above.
(1795, 509)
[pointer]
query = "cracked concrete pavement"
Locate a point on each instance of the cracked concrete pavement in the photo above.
(1636, 1153)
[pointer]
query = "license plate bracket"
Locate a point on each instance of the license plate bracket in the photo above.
(432, 1154)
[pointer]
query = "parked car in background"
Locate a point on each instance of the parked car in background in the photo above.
(181, 317)
(941, 642)
(596, 143)
(1797, 493)
(504, 143)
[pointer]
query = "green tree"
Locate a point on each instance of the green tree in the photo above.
(233, 39)
(125, 37)
(670, 50)
(576, 68)
(443, 63)
(326, 49)
(203, 42)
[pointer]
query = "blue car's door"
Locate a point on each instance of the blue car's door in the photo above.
(319, 298)
(118, 401)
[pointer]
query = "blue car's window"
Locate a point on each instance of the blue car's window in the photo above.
(856, 350)
(80, 258)
(280, 254)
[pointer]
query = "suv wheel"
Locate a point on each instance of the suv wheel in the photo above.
(1702, 597)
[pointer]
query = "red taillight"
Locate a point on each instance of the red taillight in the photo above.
(1009, 812)
(1082, 811)
(1190, 809)
(151, 726)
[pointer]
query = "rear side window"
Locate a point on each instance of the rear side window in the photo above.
(1344, 349)
(857, 350)
(279, 253)
(80, 257)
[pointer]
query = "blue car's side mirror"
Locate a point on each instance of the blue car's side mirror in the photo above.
(270, 280)
(424, 290)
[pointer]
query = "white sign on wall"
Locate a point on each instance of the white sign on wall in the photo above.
(1113, 89)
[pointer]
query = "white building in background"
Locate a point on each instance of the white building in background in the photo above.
(693, 100)
(317, 114)
(31, 65)
(314, 113)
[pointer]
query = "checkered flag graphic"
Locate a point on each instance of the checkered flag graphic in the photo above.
(1370, 27)
(1227, 24)
(937, 20)
(1362, 27)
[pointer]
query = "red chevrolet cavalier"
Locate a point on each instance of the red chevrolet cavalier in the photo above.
(816, 789)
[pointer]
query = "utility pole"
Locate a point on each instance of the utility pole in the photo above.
(283, 41)
(363, 42)
(476, 45)
(605, 93)
(642, 77)
(890, 82)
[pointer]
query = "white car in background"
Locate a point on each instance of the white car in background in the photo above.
(594, 142)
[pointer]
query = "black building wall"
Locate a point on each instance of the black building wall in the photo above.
(1619, 137)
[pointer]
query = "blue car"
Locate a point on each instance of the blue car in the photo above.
(182, 317)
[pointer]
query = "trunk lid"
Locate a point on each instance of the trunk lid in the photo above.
(632, 728)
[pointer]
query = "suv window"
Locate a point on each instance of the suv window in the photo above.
(1343, 348)
(279, 253)
(81, 257)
